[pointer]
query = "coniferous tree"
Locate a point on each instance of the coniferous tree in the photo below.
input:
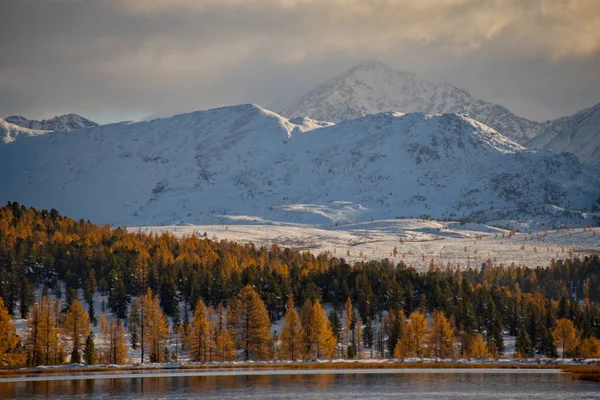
(479, 348)
(249, 323)
(155, 329)
(27, 297)
(565, 336)
(523, 347)
(225, 350)
(200, 339)
(441, 337)
(134, 323)
(76, 329)
(412, 342)
(9, 340)
(321, 341)
(292, 334)
(590, 348)
(90, 353)
(396, 327)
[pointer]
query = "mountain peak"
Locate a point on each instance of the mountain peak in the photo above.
(371, 87)
(65, 122)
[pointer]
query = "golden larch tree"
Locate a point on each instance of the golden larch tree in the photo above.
(114, 348)
(479, 348)
(9, 356)
(154, 327)
(43, 347)
(590, 348)
(76, 328)
(225, 350)
(565, 336)
(250, 325)
(413, 337)
(292, 334)
(200, 340)
(441, 336)
(321, 341)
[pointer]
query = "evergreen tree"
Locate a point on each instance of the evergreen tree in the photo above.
(523, 347)
(90, 353)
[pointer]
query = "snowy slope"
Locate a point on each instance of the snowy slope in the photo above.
(578, 134)
(10, 132)
(245, 163)
(372, 87)
(67, 122)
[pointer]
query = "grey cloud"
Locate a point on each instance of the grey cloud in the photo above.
(117, 58)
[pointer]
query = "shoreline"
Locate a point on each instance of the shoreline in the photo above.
(586, 372)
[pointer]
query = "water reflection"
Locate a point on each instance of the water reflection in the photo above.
(323, 386)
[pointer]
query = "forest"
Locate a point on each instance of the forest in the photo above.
(219, 301)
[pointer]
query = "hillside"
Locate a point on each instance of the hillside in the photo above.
(578, 134)
(372, 87)
(10, 132)
(245, 163)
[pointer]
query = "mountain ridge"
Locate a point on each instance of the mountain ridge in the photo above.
(65, 122)
(247, 163)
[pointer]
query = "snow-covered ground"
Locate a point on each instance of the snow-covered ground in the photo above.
(417, 242)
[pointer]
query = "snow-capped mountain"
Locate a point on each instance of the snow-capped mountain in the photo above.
(10, 132)
(67, 122)
(246, 163)
(578, 134)
(371, 87)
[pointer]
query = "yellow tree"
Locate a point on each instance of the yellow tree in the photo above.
(76, 329)
(225, 347)
(114, 350)
(250, 325)
(8, 339)
(42, 342)
(306, 315)
(565, 336)
(322, 341)
(155, 330)
(292, 334)
(478, 348)
(590, 348)
(413, 337)
(200, 339)
(441, 336)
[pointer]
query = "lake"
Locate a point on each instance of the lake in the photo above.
(305, 385)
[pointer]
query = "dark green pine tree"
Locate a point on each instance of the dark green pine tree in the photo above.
(27, 297)
(90, 353)
(117, 301)
(523, 345)
(168, 295)
(336, 323)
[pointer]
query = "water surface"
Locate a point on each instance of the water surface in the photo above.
(307, 385)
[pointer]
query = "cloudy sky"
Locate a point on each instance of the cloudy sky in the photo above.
(127, 59)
